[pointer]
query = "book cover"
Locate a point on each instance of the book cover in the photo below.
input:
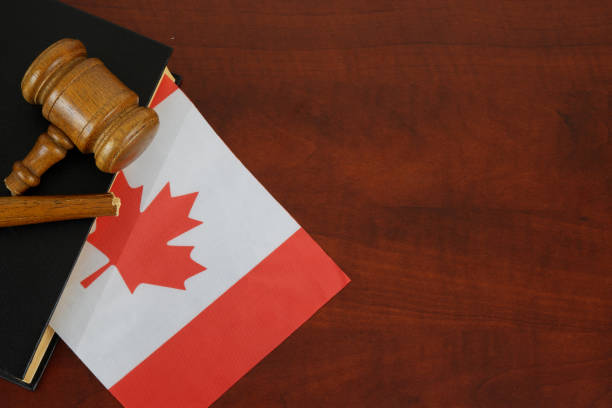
(36, 260)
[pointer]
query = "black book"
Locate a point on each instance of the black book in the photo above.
(35, 260)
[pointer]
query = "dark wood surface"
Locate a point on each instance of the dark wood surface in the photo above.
(454, 158)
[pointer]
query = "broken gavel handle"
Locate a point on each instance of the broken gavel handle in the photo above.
(23, 210)
(50, 148)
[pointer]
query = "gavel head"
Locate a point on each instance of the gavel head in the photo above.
(97, 112)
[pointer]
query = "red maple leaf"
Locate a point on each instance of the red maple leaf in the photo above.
(136, 243)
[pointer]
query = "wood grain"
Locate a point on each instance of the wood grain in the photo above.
(26, 210)
(88, 106)
(454, 158)
(50, 147)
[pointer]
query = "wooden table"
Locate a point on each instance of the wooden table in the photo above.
(454, 158)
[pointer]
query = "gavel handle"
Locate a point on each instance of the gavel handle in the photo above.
(37, 209)
(50, 148)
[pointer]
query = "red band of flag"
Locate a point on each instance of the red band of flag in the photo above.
(201, 361)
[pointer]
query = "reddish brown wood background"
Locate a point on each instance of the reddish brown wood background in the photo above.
(453, 157)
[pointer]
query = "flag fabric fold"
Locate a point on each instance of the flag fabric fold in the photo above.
(204, 275)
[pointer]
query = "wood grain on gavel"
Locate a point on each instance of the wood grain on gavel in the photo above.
(88, 107)
(33, 209)
(50, 148)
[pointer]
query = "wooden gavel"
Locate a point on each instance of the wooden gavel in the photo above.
(88, 107)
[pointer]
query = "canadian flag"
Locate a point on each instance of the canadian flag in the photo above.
(201, 275)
